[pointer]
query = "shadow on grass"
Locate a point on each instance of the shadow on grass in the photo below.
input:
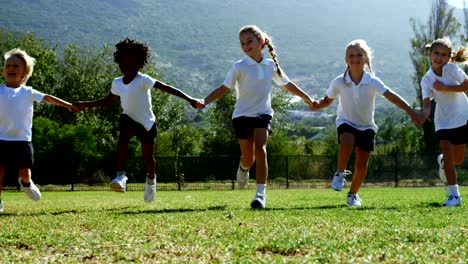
(135, 210)
(176, 210)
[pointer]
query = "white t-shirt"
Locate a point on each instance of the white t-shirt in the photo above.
(135, 98)
(451, 110)
(253, 83)
(16, 112)
(356, 102)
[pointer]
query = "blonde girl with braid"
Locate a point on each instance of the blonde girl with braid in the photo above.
(356, 90)
(447, 84)
(252, 79)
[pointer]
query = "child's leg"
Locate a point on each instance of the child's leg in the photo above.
(247, 152)
(449, 165)
(458, 153)
(122, 155)
(260, 141)
(25, 175)
(148, 158)
(347, 141)
(360, 169)
(29, 187)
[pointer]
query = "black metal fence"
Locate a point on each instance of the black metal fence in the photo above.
(218, 172)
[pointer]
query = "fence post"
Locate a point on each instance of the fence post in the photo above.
(287, 172)
(176, 166)
(395, 156)
(233, 172)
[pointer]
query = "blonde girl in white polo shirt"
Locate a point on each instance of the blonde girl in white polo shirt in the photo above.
(252, 79)
(16, 118)
(447, 84)
(356, 90)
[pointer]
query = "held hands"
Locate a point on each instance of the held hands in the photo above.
(73, 108)
(77, 107)
(418, 117)
(197, 103)
(313, 105)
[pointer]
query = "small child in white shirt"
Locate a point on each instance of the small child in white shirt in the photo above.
(357, 90)
(137, 119)
(447, 85)
(252, 79)
(16, 114)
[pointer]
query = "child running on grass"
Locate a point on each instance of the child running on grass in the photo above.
(447, 84)
(357, 90)
(137, 118)
(252, 78)
(16, 114)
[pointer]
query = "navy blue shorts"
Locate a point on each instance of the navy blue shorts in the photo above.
(129, 128)
(18, 154)
(456, 136)
(364, 139)
(244, 125)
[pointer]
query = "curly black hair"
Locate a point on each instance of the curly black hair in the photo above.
(129, 46)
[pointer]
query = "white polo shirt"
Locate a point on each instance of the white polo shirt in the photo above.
(451, 110)
(16, 112)
(253, 83)
(135, 98)
(356, 102)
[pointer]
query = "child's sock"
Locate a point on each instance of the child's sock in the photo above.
(261, 188)
(454, 189)
(242, 168)
(25, 184)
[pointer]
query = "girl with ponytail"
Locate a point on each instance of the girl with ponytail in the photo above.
(252, 79)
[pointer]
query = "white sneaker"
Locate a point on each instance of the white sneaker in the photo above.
(440, 160)
(339, 180)
(452, 200)
(1, 206)
(354, 200)
(259, 201)
(119, 183)
(447, 192)
(32, 191)
(150, 189)
(242, 177)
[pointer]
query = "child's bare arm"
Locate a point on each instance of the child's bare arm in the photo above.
(176, 92)
(105, 101)
(216, 94)
(59, 102)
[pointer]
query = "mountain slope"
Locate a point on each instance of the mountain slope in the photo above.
(196, 41)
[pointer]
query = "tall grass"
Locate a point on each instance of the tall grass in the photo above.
(395, 225)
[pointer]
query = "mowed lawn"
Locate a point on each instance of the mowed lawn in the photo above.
(395, 225)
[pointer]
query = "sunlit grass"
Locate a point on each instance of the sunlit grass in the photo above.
(395, 225)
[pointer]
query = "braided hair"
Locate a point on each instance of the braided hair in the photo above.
(360, 43)
(259, 34)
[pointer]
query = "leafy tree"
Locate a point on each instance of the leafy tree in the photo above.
(441, 22)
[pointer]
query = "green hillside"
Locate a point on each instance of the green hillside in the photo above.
(196, 41)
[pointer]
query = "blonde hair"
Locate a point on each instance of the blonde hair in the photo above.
(360, 43)
(28, 61)
(460, 55)
(259, 34)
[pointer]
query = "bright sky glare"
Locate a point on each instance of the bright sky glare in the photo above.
(458, 3)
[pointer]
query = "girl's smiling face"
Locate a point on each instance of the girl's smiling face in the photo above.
(356, 58)
(14, 71)
(439, 56)
(251, 46)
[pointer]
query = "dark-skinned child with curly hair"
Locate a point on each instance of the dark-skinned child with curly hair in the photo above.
(137, 118)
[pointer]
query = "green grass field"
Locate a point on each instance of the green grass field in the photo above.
(395, 225)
